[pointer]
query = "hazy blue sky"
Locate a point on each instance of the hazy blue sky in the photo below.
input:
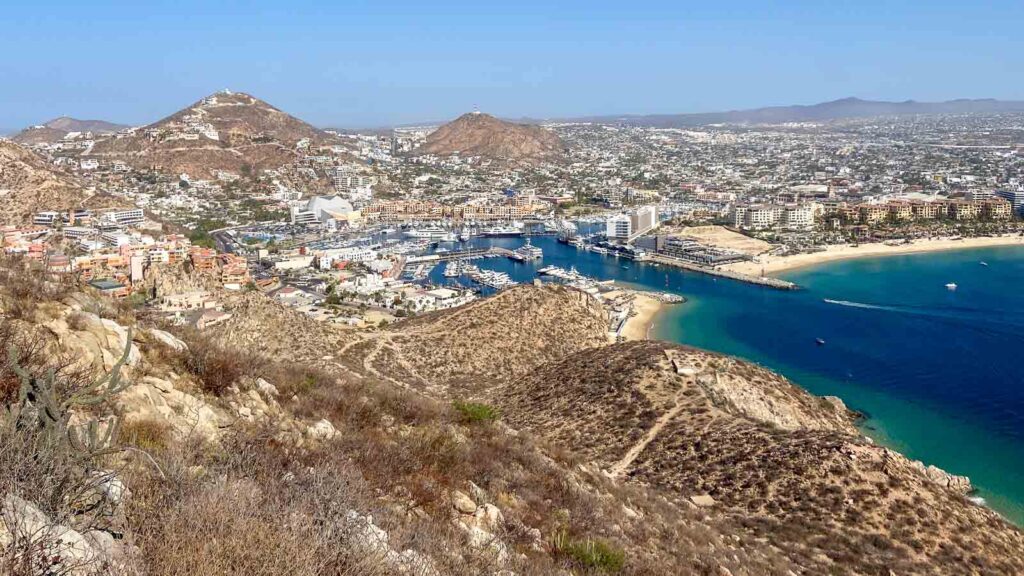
(376, 62)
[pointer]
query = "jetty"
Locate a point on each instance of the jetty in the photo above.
(766, 281)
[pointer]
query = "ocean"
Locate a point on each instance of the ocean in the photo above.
(935, 372)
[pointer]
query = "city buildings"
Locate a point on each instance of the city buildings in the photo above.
(632, 224)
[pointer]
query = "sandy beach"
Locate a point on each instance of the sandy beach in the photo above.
(768, 265)
(638, 326)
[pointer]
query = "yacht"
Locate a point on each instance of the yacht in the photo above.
(951, 286)
(428, 233)
(453, 269)
(527, 252)
(502, 231)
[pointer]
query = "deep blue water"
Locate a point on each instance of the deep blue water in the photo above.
(937, 372)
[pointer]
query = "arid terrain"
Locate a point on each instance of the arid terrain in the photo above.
(505, 437)
(58, 128)
(29, 184)
(477, 134)
(230, 132)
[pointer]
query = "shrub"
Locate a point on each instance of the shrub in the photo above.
(589, 554)
(474, 412)
(216, 368)
(148, 435)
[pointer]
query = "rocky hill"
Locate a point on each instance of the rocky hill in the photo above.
(29, 184)
(477, 134)
(744, 444)
(274, 444)
(228, 131)
(58, 128)
(489, 341)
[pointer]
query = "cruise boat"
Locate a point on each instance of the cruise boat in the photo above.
(429, 233)
(527, 253)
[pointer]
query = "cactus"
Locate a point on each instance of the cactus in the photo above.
(41, 397)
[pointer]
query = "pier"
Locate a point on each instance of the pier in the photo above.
(461, 255)
(759, 280)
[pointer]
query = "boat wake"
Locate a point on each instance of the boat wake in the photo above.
(988, 321)
(862, 305)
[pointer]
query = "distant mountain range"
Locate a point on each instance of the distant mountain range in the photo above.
(833, 110)
(58, 128)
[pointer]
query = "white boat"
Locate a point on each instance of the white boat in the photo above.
(951, 286)
(429, 233)
(502, 231)
(527, 252)
(465, 237)
(492, 279)
(453, 269)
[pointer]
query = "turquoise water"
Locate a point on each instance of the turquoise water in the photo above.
(937, 372)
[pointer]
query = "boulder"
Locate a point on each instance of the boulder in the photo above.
(489, 517)
(67, 551)
(168, 339)
(703, 500)
(322, 430)
(462, 503)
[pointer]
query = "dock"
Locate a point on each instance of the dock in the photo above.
(462, 255)
(766, 281)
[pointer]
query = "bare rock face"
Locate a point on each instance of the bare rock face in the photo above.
(482, 135)
(959, 484)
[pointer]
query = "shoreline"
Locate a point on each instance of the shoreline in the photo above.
(774, 264)
(638, 326)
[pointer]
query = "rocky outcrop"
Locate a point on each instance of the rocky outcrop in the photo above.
(25, 529)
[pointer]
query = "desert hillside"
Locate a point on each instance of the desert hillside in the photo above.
(748, 445)
(505, 437)
(29, 184)
(227, 131)
(489, 341)
(477, 134)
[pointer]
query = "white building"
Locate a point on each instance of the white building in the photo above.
(632, 224)
(122, 217)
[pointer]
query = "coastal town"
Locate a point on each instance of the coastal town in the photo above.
(511, 289)
(360, 229)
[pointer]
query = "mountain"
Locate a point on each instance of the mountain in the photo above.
(227, 131)
(477, 134)
(833, 110)
(58, 128)
(29, 184)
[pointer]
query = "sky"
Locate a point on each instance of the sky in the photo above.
(361, 64)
